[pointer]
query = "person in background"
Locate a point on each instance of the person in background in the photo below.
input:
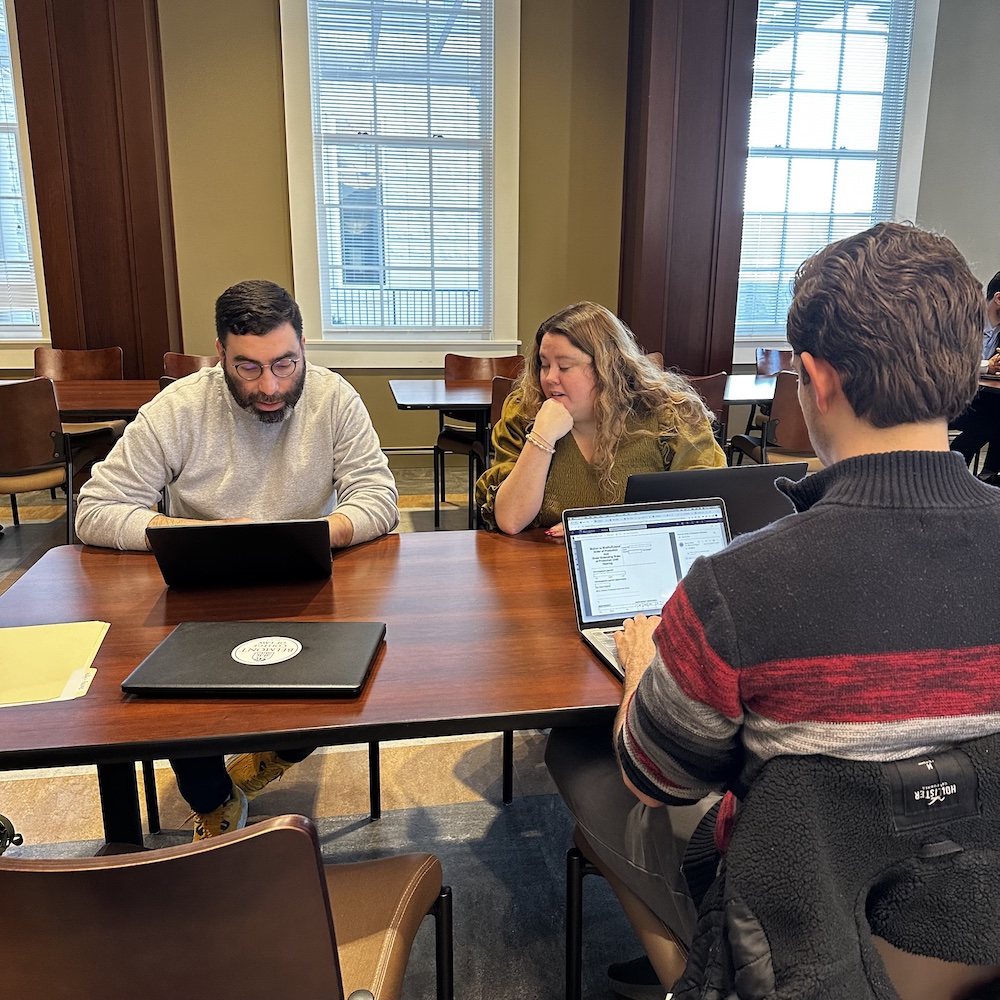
(864, 627)
(980, 423)
(264, 435)
(589, 410)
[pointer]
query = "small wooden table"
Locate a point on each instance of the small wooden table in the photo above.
(103, 399)
(481, 637)
(749, 389)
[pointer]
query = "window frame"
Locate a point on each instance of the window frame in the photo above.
(915, 98)
(19, 352)
(427, 346)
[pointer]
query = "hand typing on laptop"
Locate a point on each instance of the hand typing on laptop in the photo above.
(634, 642)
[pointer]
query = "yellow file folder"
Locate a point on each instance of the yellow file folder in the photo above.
(48, 662)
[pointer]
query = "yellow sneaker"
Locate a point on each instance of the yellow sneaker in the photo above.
(252, 772)
(231, 815)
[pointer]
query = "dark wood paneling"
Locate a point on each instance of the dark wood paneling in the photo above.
(690, 79)
(94, 110)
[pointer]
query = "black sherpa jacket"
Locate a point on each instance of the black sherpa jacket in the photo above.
(828, 852)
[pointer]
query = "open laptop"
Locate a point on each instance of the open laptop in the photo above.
(260, 659)
(263, 552)
(751, 498)
(627, 560)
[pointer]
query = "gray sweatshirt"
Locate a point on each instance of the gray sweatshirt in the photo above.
(214, 460)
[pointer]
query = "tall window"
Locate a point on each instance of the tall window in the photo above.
(20, 317)
(402, 111)
(829, 87)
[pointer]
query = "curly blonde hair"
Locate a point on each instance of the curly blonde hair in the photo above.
(628, 385)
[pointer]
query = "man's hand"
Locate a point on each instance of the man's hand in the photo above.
(635, 648)
(341, 530)
(993, 365)
(636, 651)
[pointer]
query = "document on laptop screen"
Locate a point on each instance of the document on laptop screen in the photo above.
(630, 563)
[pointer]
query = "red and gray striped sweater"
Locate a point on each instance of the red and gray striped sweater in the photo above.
(867, 627)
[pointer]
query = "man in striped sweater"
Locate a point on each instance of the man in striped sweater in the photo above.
(866, 625)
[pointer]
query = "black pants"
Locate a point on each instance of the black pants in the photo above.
(204, 783)
(980, 425)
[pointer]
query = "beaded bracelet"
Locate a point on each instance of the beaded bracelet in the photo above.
(537, 442)
(548, 444)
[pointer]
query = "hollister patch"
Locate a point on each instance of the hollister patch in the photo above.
(935, 788)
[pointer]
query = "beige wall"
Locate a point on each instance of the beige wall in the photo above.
(225, 138)
(225, 125)
(961, 168)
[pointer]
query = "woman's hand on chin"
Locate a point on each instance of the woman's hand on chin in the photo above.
(552, 422)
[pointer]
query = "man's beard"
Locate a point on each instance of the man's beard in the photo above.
(247, 397)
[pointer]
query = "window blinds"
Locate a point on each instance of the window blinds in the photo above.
(20, 317)
(402, 110)
(826, 119)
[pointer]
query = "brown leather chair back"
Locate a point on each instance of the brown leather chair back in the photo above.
(712, 389)
(99, 923)
(771, 361)
(32, 436)
(459, 367)
(501, 390)
(178, 365)
(100, 363)
(789, 426)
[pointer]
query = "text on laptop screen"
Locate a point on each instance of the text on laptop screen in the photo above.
(629, 563)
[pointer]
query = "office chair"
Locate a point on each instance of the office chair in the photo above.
(254, 913)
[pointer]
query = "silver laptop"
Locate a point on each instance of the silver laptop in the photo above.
(627, 560)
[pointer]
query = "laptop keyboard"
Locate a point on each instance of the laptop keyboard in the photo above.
(605, 638)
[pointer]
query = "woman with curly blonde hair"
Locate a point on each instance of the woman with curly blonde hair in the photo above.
(589, 410)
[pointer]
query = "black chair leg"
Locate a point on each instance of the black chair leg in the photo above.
(473, 476)
(508, 767)
(374, 782)
(13, 509)
(577, 867)
(149, 790)
(438, 485)
(443, 945)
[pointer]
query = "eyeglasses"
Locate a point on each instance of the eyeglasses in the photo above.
(250, 371)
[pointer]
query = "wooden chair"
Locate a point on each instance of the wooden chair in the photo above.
(35, 452)
(712, 389)
(462, 439)
(59, 365)
(770, 361)
(784, 436)
(253, 913)
(67, 366)
(178, 365)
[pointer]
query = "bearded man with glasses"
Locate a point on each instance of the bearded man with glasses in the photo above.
(263, 436)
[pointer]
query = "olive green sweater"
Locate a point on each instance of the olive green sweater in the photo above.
(573, 482)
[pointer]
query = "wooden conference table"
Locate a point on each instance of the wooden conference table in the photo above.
(481, 637)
